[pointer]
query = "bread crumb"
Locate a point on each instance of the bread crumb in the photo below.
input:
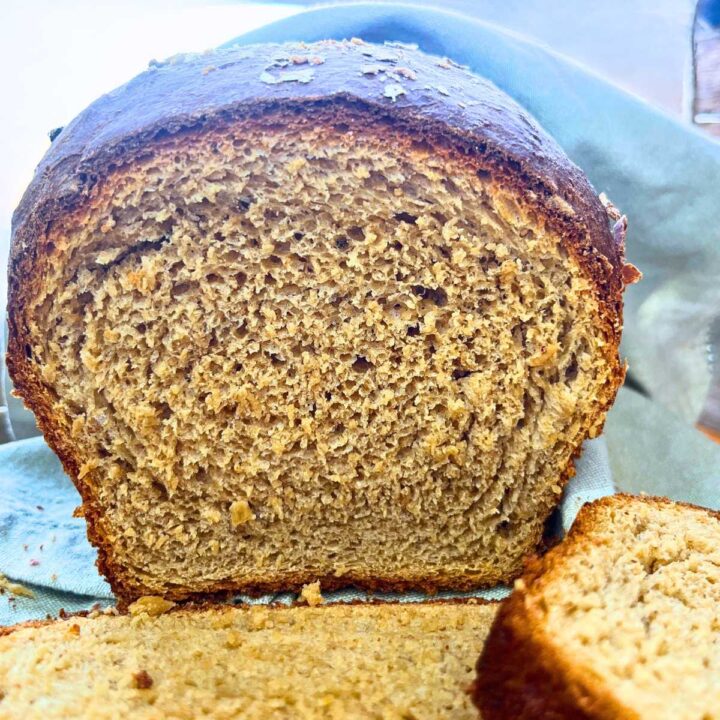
(74, 629)
(311, 594)
(233, 639)
(546, 354)
(295, 164)
(240, 513)
(14, 588)
(152, 605)
(630, 274)
(141, 680)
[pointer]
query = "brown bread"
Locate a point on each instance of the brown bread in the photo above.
(620, 621)
(333, 311)
(388, 661)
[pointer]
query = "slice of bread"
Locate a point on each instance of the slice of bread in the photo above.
(394, 661)
(620, 621)
(335, 311)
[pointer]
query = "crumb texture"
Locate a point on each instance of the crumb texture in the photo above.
(298, 350)
(387, 662)
(632, 608)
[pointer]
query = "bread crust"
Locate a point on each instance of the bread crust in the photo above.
(521, 675)
(205, 605)
(445, 106)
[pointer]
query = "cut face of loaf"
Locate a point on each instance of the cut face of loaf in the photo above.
(282, 331)
(361, 661)
(621, 620)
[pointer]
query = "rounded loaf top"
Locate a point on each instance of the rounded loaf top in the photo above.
(431, 94)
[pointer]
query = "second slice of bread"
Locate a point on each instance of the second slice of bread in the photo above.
(622, 620)
(390, 661)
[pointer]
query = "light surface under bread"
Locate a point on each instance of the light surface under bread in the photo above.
(389, 661)
(622, 620)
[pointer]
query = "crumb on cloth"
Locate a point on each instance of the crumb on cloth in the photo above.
(311, 594)
(152, 605)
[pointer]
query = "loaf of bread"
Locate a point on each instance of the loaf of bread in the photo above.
(295, 312)
(389, 661)
(620, 621)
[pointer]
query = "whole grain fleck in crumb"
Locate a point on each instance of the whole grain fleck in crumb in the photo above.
(233, 639)
(311, 594)
(142, 680)
(240, 513)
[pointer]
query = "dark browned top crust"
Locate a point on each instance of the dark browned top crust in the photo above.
(520, 676)
(431, 95)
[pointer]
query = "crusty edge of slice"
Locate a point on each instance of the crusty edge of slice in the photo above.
(206, 605)
(522, 674)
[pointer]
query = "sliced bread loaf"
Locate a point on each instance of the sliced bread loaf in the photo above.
(621, 620)
(388, 661)
(331, 311)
